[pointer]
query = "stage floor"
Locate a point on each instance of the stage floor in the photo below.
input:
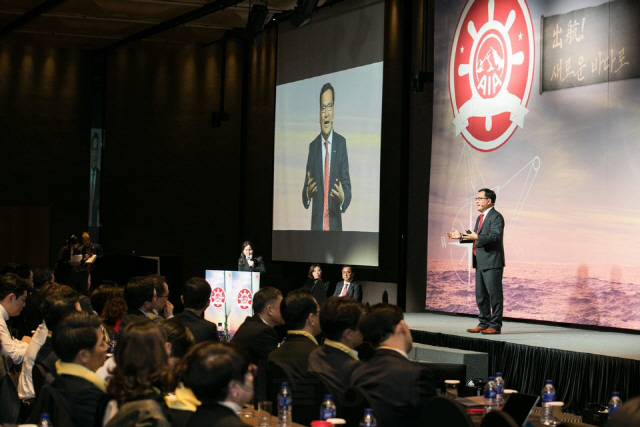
(612, 344)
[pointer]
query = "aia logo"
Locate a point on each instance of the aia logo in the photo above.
(245, 298)
(491, 71)
(217, 297)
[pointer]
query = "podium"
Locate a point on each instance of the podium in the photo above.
(231, 297)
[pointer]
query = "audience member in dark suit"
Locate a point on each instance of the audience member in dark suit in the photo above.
(247, 262)
(256, 334)
(302, 317)
(79, 342)
(397, 385)
(221, 377)
(163, 307)
(336, 360)
(196, 297)
(56, 302)
(353, 289)
(140, 295)
(13, 293)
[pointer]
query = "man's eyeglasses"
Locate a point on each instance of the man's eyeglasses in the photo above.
(328, 108)
(481, 198)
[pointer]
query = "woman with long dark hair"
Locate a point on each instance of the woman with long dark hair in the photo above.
(249, 262)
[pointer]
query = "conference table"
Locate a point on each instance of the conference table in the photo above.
(534, 419)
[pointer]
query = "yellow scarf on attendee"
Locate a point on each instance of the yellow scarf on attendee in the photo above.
(304, 333)
(182, 399)
(63, 368)
(335, 344)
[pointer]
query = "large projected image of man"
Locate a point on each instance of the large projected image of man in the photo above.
(488, 260)
(326, 180)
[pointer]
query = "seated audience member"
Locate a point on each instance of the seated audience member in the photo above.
(32, 315)
(179, 338)
(336, 360)
(302, 317)
(221, 378)
(41, 336)
(196, 297)
(398, 386)
(163, 306)
(141, 375)
(140, 295)
(348, 287)
(13, 293)
(79, 282)
(256, 334)
(114, 309)
(20, 325)
(79, 342)
(99, 297)
(56, 302)
(628, 415)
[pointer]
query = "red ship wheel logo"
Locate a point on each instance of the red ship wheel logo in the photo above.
(245, 298)
(217, 297)
(491, 71)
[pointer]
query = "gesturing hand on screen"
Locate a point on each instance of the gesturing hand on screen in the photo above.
(338, 191)
(312, 187)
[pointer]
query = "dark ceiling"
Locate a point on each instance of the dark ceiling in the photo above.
(99, 24)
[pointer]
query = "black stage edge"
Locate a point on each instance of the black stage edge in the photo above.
(580, 377)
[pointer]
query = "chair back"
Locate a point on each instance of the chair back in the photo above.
(355, 401)
(498, 419)
(9, 400)
(443, 412)
(50, 400)
(307, 393)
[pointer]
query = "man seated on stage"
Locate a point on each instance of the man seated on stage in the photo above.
(196, 297)
(336, 360)
(13, 294)
(256, 334)
(397, 385)
(79, 342)
(348, 287)
(301, 314)
(163, 306)
(141, 297)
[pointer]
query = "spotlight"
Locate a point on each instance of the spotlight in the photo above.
(257, 18)
(303, 11)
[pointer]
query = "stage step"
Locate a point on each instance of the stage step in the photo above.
(477, 363)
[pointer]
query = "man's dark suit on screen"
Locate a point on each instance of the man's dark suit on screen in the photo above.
(354, 291)
(338, 170)
(202, 329)
(397, 385)
(489, 264)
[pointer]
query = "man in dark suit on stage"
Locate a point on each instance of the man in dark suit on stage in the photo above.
(336, 359)
(398, 386)
(301, 314)
(326, 179)
(348, 288)
(488, 260)
(196, 297)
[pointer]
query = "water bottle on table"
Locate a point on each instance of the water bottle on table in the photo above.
(328, 408)
(500, 388)
(368, 420)
(284, 406)
(490, 396)
(548, 395)
(614, 403)
(45, 420)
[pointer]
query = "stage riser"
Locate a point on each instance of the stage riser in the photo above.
(477, 363)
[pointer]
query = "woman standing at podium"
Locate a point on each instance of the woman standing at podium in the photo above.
(247, 262)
